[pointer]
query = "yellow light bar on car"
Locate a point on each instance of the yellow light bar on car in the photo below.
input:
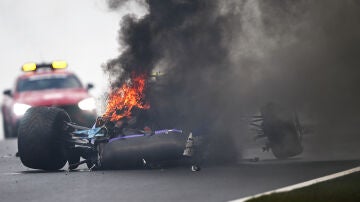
(59, 64)
(29, 67)
(156, 74)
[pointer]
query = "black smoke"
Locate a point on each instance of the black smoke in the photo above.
(224, 59)
(183, 37)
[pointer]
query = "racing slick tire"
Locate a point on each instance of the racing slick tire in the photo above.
(39, 141)
(281, 126)
(288, 147)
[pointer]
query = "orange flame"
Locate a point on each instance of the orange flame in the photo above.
(122, 100)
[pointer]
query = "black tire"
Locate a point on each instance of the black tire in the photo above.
(281, 126)
(39, 142)
(288, 147)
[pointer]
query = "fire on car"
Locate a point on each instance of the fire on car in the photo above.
(47, 84)
(121, 139)
(48, 139)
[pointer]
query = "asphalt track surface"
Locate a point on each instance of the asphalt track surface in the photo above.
(212, 183)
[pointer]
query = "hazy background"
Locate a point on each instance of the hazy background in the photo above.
(222, 59)
(82, 32)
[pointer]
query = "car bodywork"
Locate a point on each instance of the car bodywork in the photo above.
(48, 139)
(135, 149)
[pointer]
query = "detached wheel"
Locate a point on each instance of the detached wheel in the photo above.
(282, 128)
(288, 147)
(39, 142)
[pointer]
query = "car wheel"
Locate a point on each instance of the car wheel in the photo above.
(39, 139)
(281, 126)
(288, 147)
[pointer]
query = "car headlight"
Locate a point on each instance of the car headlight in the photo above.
(87, 104)
(19, 109)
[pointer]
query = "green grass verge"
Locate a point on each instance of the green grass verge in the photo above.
(343, 189)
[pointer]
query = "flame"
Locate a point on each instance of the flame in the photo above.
(123, 99)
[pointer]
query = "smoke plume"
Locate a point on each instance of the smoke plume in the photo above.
(224, 59)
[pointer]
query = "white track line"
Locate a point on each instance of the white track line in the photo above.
(300, 185)
(15, 173)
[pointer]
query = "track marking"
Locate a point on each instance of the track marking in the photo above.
(15, 173)
(6, 156)
(301, 185)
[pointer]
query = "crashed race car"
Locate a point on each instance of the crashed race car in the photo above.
(48, 140)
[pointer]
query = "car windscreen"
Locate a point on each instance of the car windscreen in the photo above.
(45, 82)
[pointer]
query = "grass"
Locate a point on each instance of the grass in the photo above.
(343, 189)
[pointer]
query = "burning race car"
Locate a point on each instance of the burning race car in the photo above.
(48, 139)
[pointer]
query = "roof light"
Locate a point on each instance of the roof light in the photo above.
(31, 67)
(59, 64)
(156, 74)
(28, 67)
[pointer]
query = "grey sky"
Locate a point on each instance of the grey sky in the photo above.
(82, 32)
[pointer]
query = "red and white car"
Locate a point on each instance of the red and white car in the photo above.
(47, 85)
